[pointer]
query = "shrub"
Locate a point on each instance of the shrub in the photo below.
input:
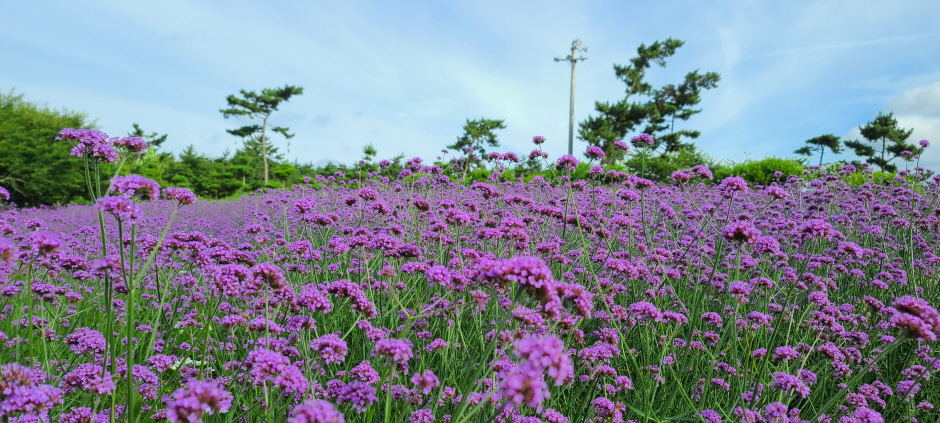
(760, 172)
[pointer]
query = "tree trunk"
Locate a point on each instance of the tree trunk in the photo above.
(466, 165)
(883, 145)
(264, 148)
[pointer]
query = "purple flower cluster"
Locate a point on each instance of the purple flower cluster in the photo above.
(557, 300)
(530, 273)
(120, 207)
(90, 377)
(183, 196)
(595, 153)
(567, 163)
(190, 402)
(23, 396)
(330, 347)
(90, 143)
(85, 340)
(135, 185)
(643, 140)
(398, 350)
(425, 381)
(316, 411)
(915, 316)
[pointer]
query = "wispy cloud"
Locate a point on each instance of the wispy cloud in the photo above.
(837, 46)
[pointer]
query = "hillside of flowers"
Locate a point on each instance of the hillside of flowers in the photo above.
(414, 298)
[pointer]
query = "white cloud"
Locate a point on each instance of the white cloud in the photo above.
(919, 108)
(923, 100)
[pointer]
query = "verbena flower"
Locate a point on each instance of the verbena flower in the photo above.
(358, 394)
(85, 340)
(265, 365)
(365, 373)
(790, 384)
(523, 384)
(916, 317)
(425, 381)
(567, 163)
(42, 242)
(189, 403)
(398, 350)
(741, 231)
(731, 185)
(135, 185)
(77, 415)
(643, 139)
(711, 416)
(594, 152)
(867, 415)
(120, 207)
(23, 394)
(8, 251)
(183, 196)
(330, 347)
(549, 354)
(90, 144)
(90, 377)
(267, 274)
(316, 411)
(530, 272)
(131, 144)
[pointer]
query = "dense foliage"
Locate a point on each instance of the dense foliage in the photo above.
(659, 109)
(34, 169)
(763, 171)
(413, 298)
(885, 141)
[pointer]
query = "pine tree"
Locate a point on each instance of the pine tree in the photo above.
(255, 106)
(153, 139)
(670, 103)
(820, 144)
(476, 136)
(661, 109)
(884, 130)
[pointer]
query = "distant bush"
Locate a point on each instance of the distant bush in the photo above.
(660, 167)
(878, 178)
(760, 171)
(33, 167)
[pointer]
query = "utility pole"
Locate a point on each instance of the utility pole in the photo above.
(575, 48)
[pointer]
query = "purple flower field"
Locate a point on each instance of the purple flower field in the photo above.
(606, 298)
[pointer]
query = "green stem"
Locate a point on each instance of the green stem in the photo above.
(841, 394)
(128, 326)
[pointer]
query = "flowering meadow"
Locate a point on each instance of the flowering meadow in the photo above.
(600, 297)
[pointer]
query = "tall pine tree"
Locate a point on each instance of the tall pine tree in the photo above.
(660, 109)
(477, 134)
(888, 140)
(821, 144)
(260, 106)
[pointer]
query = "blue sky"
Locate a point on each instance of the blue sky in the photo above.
(405, 76)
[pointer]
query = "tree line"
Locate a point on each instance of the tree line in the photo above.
(36, 170)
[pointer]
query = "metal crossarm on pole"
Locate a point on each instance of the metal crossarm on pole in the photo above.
(575, 48)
